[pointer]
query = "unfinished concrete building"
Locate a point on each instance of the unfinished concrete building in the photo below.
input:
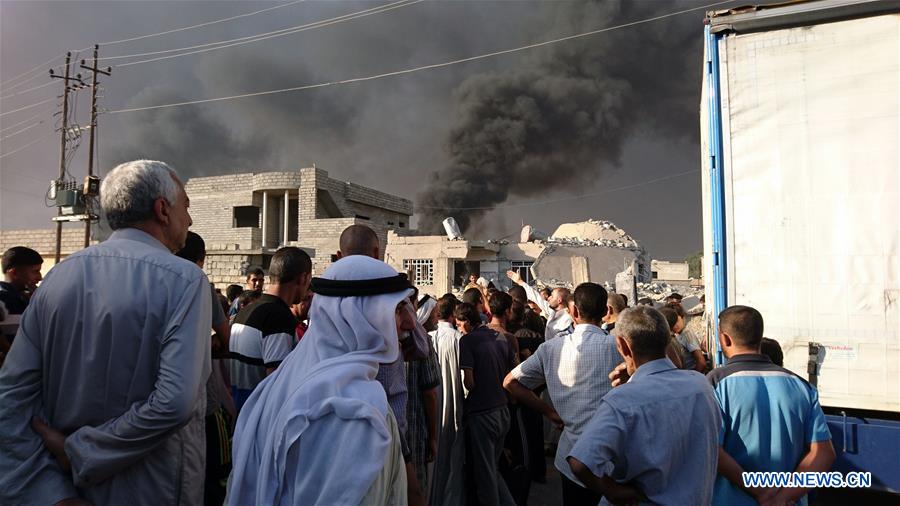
(245, 218)
(662, 270)
(589, 251)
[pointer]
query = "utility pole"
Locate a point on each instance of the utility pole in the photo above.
(90, 168)
(62, 142)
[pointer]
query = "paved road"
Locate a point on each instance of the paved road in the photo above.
(546, 494)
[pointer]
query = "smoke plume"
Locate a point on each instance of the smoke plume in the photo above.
(564, 117)
(193, 140)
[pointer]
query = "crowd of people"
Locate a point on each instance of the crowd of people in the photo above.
(132, 380)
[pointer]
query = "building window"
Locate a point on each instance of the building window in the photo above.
(245, 216)
(655, 274)
(361, 217)
(524, 269)
(402, 224)
(422, 270)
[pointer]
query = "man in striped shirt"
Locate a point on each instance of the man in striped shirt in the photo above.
(263, 333)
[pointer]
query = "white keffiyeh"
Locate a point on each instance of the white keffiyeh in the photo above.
(325, 389)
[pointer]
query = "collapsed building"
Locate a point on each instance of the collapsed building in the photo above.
(575, 253)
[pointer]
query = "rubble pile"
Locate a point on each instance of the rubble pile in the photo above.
(597, 233)
(659, 291)
(594, 233)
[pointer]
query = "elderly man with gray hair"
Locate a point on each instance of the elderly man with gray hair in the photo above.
(654, 438)
(102, 395)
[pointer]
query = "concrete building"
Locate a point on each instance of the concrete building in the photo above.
(575, 253)
(662, 270)
(245, 218)
(44, 242)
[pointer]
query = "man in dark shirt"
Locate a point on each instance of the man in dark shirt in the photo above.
(21, 274)
(485, 358)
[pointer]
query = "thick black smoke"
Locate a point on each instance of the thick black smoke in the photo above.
(193, 140)
(565, 117)
(554, 121)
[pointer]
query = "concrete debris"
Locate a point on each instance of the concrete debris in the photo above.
(659, 291)
(591, 230)
(554, 283)
(594, 233)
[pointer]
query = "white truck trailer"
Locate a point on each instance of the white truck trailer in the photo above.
(800, 135)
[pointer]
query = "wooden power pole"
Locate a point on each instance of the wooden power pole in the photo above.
(90, 168)
(64, 131)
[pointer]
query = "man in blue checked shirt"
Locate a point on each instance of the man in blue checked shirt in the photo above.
(575, 367)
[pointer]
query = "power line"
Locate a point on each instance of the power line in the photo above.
(151, 53)
(39, 74)
(270, 35)
(207, 23)
(24, 176)
(17, 132)
(27, 106)
(21, 192)
(26, 91)
(35, 141)
(37, 67)
(36, 116)
(423, 67)
(241, 40)
(562, 199)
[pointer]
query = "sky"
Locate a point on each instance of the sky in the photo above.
(527, 134)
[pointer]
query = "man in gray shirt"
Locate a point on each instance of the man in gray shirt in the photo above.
(102, 396)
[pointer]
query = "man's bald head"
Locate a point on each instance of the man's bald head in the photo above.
(359, 240)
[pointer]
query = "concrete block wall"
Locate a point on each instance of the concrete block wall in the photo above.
(224, 268)
(44, 242)
(400, 248)
(335, 189)
(377, 215)
(213, 199)
(669, 271)
(324, 237)
(212, 202)
(370, 197)
(277, 181)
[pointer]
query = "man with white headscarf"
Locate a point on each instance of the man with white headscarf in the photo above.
(448, 479)
(319, 430)
(423, 380)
